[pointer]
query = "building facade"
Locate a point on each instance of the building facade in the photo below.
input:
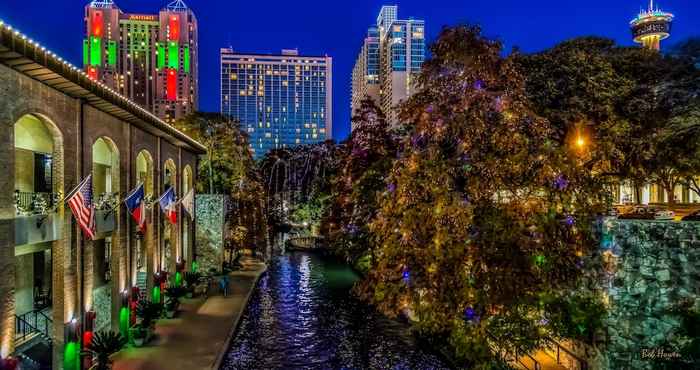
(59, 126)
(400, 55)
(365, 74)
(280, 100)
(152, 59)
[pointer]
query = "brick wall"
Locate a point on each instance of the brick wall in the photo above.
(20, 95)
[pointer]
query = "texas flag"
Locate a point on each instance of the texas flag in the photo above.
(136, 205)
(168, 205)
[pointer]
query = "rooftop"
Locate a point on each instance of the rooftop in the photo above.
(28, 57)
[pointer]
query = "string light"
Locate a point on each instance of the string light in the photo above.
(84, 74)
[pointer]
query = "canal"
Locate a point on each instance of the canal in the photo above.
(303, 316)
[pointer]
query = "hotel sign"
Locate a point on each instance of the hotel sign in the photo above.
(142, 17)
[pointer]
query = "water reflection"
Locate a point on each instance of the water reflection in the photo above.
(302, 316)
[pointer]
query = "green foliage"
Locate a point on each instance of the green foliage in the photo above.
(363, 162)
(487, 207)
(192, 278)
(228, 160)
(148, 312)
(102, 347)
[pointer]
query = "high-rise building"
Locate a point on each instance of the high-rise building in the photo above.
(651, 26)
(149, 58)
(280, 100)
(365, 74)
(400, 53)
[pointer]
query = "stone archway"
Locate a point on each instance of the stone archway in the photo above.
(170, 248)
(187, 220)
(36, 209)
(144, 257)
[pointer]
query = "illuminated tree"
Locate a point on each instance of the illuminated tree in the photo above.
(487, 213)
(365, 160)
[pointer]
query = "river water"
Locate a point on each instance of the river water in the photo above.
(302, 316)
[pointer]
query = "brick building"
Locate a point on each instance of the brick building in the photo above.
(58, 126)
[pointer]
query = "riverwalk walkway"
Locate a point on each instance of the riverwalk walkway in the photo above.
(198, 338)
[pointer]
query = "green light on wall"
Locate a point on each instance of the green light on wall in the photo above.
(112, 53)
(86, 52)
(95, 51)
(71, 356)
(178, 278)
(195, 266)
(161, 56)
(124, 321)
(186, 58)
(173, 57)
(155, 296)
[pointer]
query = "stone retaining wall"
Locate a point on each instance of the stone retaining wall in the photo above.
(652, 266)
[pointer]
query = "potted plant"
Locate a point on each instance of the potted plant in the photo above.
(173, 293)
(192, 279)
(102, 347)
(138, 334)
(147, 312)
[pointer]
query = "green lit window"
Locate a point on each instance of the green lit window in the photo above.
(186, 58)
(161, 55)
(112, 53)
(86, 52)
(95, 51)
(173, 57)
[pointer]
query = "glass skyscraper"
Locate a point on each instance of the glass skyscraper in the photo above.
(392, 54)
(280, 100)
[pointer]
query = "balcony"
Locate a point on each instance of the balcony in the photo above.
(105, 212)
(36, 220)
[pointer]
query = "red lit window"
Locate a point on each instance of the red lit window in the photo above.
(92, 73)
(97, 24)
(172, 85)
(174, 28)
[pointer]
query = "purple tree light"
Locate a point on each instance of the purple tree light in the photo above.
(561, 183)
(569, 220)
(391, 187)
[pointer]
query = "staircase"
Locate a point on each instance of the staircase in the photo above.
(142, 283)
(33, 341)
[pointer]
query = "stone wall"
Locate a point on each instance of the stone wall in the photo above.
(652, 266)
(210, 224)
(102, 302)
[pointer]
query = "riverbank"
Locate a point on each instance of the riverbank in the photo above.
(198, 338)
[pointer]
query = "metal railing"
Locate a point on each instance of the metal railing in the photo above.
(566, 358)
(32, 322)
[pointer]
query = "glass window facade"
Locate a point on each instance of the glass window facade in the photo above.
(281, 101)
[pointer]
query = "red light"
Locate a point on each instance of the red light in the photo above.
(174, 29)
(92, 73)
(172, 85)
(97, 24)
(87, 339)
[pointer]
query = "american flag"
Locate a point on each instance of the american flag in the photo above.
(81, 205)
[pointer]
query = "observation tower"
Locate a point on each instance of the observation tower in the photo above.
(651, 26)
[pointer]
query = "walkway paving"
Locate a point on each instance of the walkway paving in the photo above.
(199, 336)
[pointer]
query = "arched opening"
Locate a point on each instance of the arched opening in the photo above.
(105, 187)
(187, 185)
(38, 184)
(142, 265)
(171, 251)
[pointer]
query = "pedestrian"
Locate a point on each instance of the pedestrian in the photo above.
(223, 285)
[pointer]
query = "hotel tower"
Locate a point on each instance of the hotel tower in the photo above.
(391, 56)
(149, 58)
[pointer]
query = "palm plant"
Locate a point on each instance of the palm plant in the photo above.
(103, 345)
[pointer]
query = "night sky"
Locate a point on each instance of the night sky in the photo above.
(337, 28)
